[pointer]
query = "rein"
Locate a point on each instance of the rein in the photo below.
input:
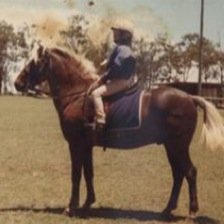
(77, 94)
(72, 96)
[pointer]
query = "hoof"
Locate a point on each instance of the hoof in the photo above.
(166, 212)
(192, 215)
(88, 203)
(69, 212)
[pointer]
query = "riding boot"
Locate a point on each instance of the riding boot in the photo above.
(100, 129)
(100, 133)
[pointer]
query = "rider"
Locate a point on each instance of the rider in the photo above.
(120, 70)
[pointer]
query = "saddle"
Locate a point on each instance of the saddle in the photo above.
(123, 110)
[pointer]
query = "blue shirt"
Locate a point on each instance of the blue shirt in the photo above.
(121, 64)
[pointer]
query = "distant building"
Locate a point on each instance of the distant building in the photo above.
(211, 91)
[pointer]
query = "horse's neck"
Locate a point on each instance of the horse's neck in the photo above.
(60, 75)
(68, 80)
(67, 87)
(67, 90)
(68, 99)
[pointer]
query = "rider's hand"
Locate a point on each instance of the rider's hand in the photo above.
(93, 86)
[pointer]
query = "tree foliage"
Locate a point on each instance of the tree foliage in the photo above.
(76, 39)
(11, 43)
(161, 61)
(157, 61)
(75, 36)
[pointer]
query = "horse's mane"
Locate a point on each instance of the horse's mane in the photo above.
(86, 68)
(61, 53)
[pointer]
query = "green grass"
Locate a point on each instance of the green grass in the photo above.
(131, 186)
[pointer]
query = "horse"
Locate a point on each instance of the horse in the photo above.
(169, 117)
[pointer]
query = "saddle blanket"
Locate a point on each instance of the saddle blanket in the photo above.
(125, 113)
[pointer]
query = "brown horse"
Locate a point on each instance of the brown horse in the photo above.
(169, 117)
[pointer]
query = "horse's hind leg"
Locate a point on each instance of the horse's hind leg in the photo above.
(191, 176)
(178, 176)
(182, 166)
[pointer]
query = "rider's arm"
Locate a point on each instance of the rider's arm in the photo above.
(122, 66)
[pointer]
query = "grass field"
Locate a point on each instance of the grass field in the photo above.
(131, 186)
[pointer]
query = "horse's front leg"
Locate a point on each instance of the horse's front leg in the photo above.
(88, 174)
(76, 153)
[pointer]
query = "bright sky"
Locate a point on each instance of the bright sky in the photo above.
(176, 17)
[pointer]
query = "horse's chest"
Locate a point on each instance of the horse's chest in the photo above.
(72, 112)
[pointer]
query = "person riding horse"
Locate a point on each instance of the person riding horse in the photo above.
(120, 70)
(169, 117)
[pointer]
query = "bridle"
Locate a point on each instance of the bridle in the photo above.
(42, 64)
(75, 95)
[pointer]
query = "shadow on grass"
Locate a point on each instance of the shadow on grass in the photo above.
(114, 213)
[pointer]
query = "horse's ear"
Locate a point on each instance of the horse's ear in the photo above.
(47, 56)
(46, 52)
(40, 51)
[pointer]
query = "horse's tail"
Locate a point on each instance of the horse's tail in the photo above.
(213, 129)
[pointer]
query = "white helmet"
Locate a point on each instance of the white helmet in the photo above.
(124, 25)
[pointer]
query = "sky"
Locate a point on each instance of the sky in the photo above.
(150, 17)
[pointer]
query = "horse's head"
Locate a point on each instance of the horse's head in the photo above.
(34, 72)
(63, 72)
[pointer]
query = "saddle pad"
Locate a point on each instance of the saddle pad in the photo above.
(125, 113)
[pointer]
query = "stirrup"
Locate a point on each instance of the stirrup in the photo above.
(100, 126)
(90, 125)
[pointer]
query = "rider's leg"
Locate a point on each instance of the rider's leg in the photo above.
(98, 104)
(108, 89)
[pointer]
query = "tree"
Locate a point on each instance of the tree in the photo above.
(188, 52)
(75, 37)
(153, 61)
(11, 43)
(144, 60)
